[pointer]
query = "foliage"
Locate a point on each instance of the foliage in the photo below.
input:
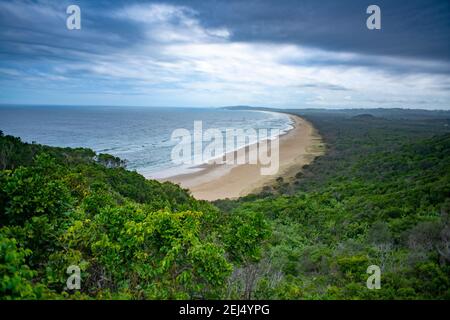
(132, 238)
(380, 195)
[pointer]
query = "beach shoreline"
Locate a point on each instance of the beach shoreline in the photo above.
(297, 147)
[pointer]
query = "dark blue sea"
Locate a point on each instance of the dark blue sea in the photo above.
(139, 135)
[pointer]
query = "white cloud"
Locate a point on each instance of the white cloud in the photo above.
(167, 23)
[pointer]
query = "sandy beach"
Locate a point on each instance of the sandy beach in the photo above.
(297, 147)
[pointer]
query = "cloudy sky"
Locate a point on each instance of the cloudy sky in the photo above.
(215, 53)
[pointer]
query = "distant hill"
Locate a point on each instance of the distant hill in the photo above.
(365, 116)
(394, 113)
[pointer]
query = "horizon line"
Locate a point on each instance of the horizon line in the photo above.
(216, 107)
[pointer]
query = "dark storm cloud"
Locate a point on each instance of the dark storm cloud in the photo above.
(418, 29)
(36, 30)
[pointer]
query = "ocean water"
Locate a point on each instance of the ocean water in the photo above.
(139, 135)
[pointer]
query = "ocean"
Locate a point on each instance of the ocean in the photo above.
(139, 135)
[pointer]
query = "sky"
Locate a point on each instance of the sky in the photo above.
(210, 53)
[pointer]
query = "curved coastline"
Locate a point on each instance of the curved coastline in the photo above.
(297, 147)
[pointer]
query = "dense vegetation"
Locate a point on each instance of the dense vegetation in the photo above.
(379, 195)
(131, 237)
